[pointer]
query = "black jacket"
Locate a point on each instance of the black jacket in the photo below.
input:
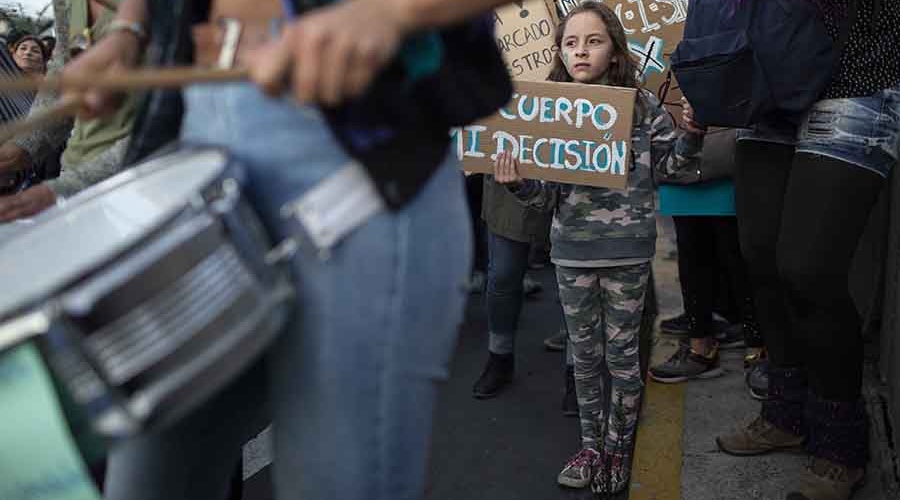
(471, 83)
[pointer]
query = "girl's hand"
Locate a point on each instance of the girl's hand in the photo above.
(687, 119)
(116, 51)
(332, 53)
(506, 170)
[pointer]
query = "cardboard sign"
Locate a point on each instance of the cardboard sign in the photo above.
(654, 28)
(563, 132)
(525, 34)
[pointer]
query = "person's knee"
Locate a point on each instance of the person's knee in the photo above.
(505, 278)
(759, 256)
(504, 286)
(629, 375)
(810, 280)
(588, 366)
(625, 367)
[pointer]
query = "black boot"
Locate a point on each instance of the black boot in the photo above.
(497, 374)
(570, 399)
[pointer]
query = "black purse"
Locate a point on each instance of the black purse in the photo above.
(716, 162)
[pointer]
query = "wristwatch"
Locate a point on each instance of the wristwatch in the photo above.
(135, 28)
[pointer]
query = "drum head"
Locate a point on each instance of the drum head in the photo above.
(99, 223)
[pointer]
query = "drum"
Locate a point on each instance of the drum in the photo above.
(148, 292)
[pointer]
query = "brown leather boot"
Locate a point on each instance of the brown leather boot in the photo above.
(827, 480)
(758, 438)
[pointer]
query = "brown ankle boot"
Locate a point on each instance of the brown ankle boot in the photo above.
(827, 480)
(758, 438)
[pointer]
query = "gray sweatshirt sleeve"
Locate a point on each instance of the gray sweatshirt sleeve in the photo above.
(89, 172)
(675, 155)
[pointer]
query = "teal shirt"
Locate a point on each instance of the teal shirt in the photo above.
(711, 198)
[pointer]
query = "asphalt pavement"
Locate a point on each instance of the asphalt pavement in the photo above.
(510, 447)
(513, 446)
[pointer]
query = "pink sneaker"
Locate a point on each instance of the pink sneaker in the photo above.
(580, 469)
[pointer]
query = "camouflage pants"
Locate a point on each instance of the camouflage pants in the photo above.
(603, 309)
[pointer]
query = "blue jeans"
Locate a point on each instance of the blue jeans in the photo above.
(860, 131)
(507, 264)
(351, 384)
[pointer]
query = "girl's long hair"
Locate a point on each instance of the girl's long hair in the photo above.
(623, 72)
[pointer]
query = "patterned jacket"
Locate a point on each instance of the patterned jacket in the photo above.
(598, 224)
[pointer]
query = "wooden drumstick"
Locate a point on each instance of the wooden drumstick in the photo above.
(132, 80)
(144, 79)
(64, 109)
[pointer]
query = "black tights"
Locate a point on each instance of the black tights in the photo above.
(800, 219)
(707, 250)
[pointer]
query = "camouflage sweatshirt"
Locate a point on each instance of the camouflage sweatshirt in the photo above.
(594, 224)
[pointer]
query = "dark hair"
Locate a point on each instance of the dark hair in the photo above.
(623, 72)
(49, 43)
(34, 39)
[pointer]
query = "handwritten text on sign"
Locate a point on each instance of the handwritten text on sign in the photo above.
(525, 35)
(653, 28)
(564, 132)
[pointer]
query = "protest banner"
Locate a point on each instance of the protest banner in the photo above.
(525, 35)
(654, 28)
(563, 132)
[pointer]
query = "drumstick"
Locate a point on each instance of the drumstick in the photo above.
(64, 109)
(140, 79)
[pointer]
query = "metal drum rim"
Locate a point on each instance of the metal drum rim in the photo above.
(45, 300)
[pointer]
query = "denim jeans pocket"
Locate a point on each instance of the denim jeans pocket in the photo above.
(862, 131)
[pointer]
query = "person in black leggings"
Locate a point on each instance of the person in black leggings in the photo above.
(710, 266)
(713, 273)
(802, 209)
(802, 216)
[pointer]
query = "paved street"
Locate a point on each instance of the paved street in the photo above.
(512, 447)
(508, 448)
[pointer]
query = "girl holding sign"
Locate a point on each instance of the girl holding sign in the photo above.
(603, 243)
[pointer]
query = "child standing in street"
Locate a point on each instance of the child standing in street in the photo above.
(603, 241)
